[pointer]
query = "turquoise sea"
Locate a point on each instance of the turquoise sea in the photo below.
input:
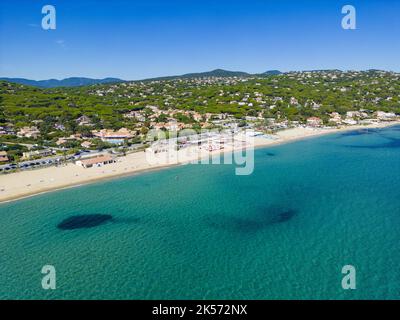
(201, 232)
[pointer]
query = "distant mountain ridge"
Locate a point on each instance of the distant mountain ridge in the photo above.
(214, 73)
(67, 82)
(272, 72)
(221, 73)
(217, 73)
(81, 81)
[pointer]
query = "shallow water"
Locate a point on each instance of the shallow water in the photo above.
(284, 232)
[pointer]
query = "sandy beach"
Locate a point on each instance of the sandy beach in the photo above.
(28, 183)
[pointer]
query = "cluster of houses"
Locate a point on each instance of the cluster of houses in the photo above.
(361, 117)
(169, 121)
(170, 113)
(115, 137)
(7, 130)
(28, 132)
(353, 118)
(224, 121)
(24, 132)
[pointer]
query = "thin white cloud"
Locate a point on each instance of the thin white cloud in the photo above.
(61, 43)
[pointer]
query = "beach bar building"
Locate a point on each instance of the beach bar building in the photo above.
(98, 161)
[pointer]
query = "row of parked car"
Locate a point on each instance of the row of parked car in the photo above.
(40, 162)
(30, 164)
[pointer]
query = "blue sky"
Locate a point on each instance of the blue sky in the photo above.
(141, 39)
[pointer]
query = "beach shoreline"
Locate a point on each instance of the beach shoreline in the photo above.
(25, 184)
